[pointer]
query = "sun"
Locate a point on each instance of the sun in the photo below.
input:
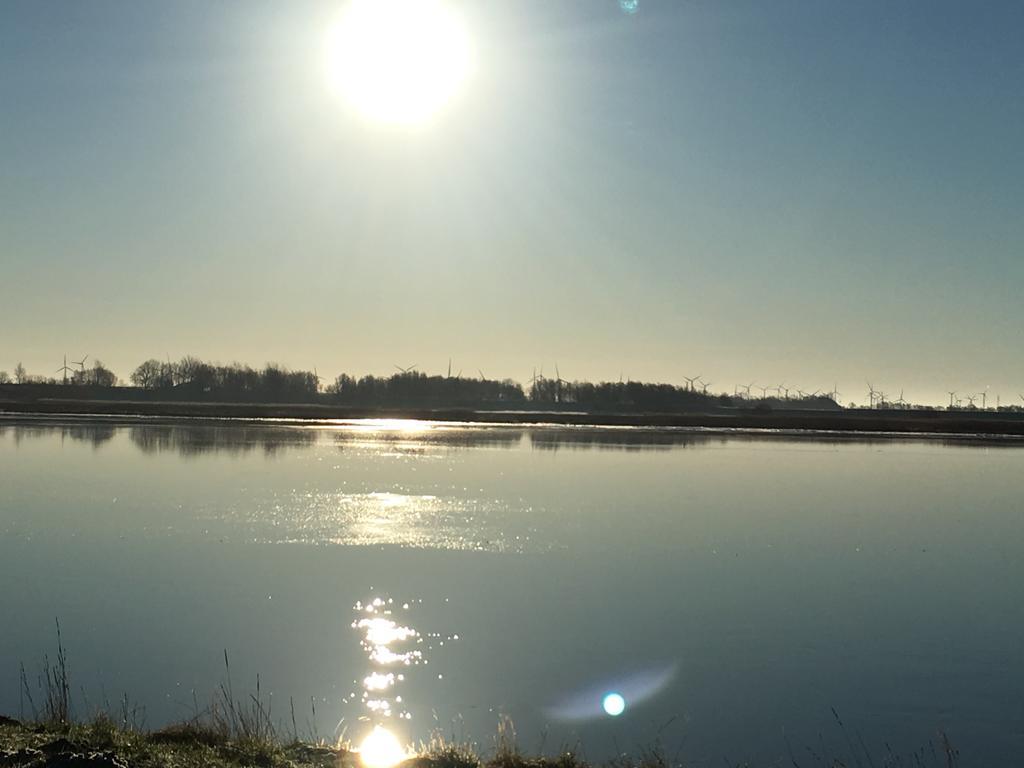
(398, 61)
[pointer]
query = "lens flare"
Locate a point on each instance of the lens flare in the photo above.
(614, 704)
(610, 696)
(380, 749)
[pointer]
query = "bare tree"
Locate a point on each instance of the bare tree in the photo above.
(147, 375)
(97, 376)
(20, 374)
(5, 377)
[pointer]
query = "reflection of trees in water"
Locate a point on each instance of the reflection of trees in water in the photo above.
(640, 439)
(94, 434)
(199, 439)
(195, 440)
(618, 439)
(457, 437)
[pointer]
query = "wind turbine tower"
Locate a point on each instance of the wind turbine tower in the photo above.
(872, 394)
(65, 369)
(559, 381)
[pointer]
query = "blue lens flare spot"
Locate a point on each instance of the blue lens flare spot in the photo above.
(614, 704)
(629, 6)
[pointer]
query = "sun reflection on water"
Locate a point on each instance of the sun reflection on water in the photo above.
(381, 749)
(392, 647)
(433, 520)
(403, 426)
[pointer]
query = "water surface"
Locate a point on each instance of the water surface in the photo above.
(732, 589)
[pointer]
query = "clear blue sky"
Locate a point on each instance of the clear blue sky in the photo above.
(803, 192)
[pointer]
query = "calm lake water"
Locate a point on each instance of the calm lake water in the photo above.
(732, 590)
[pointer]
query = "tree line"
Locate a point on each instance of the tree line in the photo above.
(234, 381)
(193, 379)
(95, 375)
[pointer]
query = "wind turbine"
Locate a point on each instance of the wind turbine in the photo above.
(900, 401)
(970, 400)
(65, 369)
(80, 363)
(704, 386)
(535, 382)
(872, 394)
(404, 371)
(689, 382)
(951, 396)
(747, 387)
(482, 377)
(559, 381)
(764, 392)
(984, 396)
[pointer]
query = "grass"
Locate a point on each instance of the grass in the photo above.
(103, 743)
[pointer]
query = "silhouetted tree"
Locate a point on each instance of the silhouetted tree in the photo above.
(20, 375)
(5, 378)
(147, 375)
(97, 376)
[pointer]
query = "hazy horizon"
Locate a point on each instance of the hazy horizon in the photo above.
(816, 194)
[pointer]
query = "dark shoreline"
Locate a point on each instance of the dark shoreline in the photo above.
(895, 422)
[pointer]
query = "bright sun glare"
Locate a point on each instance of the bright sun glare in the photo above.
(398, 61)
(381, 749)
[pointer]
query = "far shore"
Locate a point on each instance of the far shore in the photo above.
(914, 422)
